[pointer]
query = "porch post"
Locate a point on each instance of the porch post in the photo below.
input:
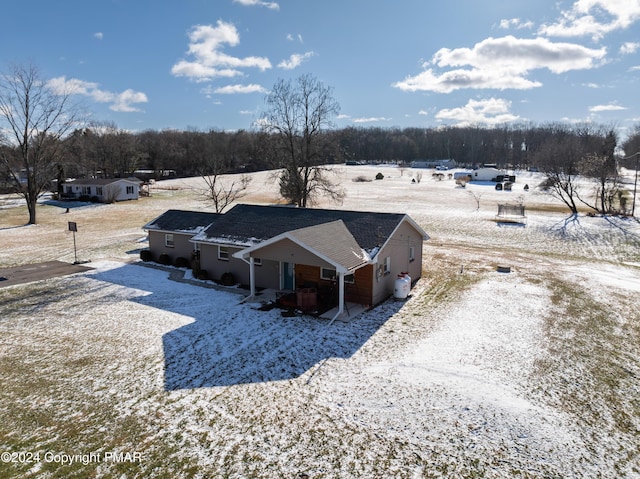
(340, 298)
(341, 293)
(252, 277)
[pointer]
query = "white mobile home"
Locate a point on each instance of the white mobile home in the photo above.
(102, 190)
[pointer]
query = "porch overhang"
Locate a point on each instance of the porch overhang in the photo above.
(328, 245)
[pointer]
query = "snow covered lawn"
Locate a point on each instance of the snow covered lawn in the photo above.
(532, 373)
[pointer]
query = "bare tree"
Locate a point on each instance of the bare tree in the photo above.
(222, 194)
(297, 115)
(34, 118)
(601, 166)
(559, 159)
(220, 191)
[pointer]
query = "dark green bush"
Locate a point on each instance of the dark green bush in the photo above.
(379, 176)
(182, 262)
(145, 255)
(164, 259)
(228, 279)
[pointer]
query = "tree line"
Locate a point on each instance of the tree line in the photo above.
(43, 137)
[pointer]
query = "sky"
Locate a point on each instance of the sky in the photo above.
(208, 64)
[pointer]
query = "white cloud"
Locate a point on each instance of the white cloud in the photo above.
(98, 35)
(594, 17)
(634, 69)
(122, 102)
(609, 107)
(515, 23)
(209, 62)
(423, 113)
(500, 63)
(493, 111)
(295, 60)
(371, 119)
(234, 89)
(629, 48)
(258, 3)
(291, 38)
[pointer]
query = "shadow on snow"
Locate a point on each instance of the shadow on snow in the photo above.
(228, 343)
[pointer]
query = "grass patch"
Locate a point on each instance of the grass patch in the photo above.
(590, 370)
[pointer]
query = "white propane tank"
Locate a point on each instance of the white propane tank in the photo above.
(402, 286)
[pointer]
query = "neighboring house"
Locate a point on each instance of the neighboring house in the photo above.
(170, 234)
(440, 164)
(343, 255)
(102, 190)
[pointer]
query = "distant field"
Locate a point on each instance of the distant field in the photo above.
(124, 372)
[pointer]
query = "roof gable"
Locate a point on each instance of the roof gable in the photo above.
(332, 242)
(102, 181)
(247, 225)
(182, 221)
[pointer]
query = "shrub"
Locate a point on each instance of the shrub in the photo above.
(228, 279)
(164, 259)
(202, 274)
(379, 176)
(84, 198)
(94, 199)
(182, 262)
(361, 179)
(145, 255)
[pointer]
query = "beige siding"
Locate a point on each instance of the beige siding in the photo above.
(182, 246)
(290, 252)
(216, 267)
(397, 248)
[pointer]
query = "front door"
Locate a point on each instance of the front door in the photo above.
(287, 276)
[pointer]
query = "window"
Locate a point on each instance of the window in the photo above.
(129, 190)
(326, 273)
(257, 261)
(223, 253)
(168, 240)
(412, 253)
(70, 189)
(86, 190)
(99, 190)
(330, 274)
(387, 265)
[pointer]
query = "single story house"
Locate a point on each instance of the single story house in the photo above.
(343, 256)
(170, 234)
(442, 163)
(104, 190)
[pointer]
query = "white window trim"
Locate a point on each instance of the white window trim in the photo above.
(348, 278)
(223, 253)
(412, 253)
(169, 240)
(387, 265)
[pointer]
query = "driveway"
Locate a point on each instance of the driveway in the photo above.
(38, 271)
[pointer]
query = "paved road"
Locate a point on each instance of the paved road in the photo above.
(38, 271)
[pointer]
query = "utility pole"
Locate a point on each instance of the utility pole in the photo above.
(635, 183)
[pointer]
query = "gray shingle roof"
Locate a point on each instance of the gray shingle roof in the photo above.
(100, 181)
(246, 225)
(182, 221)
(333, 241)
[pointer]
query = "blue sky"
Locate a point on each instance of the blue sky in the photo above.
(156, 64)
